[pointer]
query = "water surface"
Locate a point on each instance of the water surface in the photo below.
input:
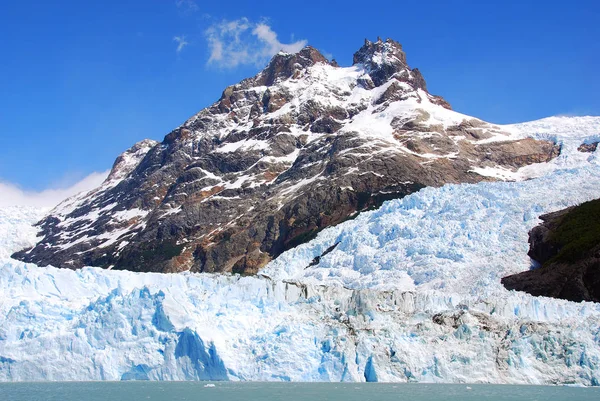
(171, 391)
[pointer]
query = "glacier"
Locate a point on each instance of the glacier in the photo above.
(407, 293)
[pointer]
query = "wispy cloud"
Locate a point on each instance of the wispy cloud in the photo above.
(242, 42)
(187, 6)
(12, 195)
(181, 42)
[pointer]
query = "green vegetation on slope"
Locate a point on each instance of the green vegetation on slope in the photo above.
(577, 232)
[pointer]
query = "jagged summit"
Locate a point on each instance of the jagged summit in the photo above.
(375, 54)
(303, 145)
(386, 59)
(381, 59)
(286, 65)
(380, 51)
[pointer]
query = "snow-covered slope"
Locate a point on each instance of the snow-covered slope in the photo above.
(410, 293)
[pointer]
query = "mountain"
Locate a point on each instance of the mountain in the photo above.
(566, 246)
(303, 145)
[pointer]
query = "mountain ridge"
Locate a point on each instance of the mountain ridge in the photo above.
(303, 145)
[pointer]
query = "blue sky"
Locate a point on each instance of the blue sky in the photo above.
(81, 81)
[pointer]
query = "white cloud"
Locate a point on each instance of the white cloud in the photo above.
(264, 33)
(181, 42)
(187, 6)
(12, 195)
(242, 42)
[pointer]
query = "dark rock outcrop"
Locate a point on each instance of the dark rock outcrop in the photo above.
(566, 246)
(588, 147)
(303, 145)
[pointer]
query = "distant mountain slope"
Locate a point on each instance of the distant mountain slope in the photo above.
(301, 146)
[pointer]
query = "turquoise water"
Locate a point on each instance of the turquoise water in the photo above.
(171, 391)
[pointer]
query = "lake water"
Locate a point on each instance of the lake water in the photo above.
(171, 391)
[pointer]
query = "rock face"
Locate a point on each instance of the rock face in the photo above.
(303, 145)
(588, 147)
(567, 246)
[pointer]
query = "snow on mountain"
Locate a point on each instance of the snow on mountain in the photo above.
(411, 292)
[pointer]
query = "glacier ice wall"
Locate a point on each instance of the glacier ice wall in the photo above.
(411, 292)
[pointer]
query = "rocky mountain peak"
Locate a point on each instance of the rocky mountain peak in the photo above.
(285, 65)
(384, 60)
(302, 146)
(380, 52)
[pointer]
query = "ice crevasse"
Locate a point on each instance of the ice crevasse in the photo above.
(409, 292)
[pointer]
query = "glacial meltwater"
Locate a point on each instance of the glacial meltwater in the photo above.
(230, 391)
